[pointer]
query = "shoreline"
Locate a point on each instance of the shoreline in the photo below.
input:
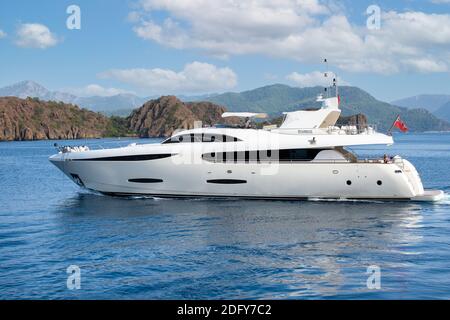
(163, 137)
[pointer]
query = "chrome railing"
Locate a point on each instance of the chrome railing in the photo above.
(338, 130)
(398, 162)
(94, 144)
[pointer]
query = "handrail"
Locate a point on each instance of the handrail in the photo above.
(338, 130)
(90, 145)
(334, 161)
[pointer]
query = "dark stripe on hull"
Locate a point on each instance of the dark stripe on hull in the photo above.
(145, 180)
(139, 157)
(226, 181)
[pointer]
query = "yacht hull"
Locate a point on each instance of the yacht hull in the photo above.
(291, 180)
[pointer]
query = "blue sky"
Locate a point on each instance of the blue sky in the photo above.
(153, 47)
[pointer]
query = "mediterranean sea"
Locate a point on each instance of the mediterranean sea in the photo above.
(146, 248)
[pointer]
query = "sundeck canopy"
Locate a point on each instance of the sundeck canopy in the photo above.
(244, 115)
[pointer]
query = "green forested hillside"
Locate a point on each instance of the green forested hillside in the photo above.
(277, 98)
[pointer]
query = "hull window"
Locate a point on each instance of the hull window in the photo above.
(139, 157)
(284, 155)
(145, 180)
(226, 181)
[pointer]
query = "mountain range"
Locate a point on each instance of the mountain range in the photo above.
(438, 104)
(110, 104)
(272, 99)
(277, 98)
(444, 111)
(32, 89)
(35, 119)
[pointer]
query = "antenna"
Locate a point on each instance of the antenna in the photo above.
(334, 82)
(325, 61)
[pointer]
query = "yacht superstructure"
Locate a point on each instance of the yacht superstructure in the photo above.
(304, 158)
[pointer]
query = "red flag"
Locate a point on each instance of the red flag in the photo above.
(339, 99)
(400, 124)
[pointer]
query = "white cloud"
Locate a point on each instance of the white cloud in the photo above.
(440, 1)
(96, 90)
(425, 65)
(35, 35)
(228, 25)
(2, 34)
(315, 78)
(196, 77)
(306, 31)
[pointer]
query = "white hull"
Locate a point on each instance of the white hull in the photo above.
(301, 180)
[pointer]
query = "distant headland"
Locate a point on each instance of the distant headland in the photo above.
(25, 118)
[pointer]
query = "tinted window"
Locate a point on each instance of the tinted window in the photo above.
(198, 137)
(263, 155)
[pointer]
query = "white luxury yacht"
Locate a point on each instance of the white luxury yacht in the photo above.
(304, 158)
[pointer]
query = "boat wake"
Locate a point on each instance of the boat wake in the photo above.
(347, 200)
(446, 199)
(196, 199)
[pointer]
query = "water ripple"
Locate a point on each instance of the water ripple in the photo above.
(151, 248)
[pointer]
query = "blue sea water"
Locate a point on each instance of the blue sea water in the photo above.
(137, 248)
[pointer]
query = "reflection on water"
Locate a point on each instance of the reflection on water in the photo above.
(252, 249)
(162, 248)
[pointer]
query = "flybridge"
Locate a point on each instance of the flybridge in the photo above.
(323, 118)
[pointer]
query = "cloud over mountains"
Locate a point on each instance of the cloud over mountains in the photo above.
(302, 30)
(194, 78)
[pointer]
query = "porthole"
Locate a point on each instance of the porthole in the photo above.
(379, 182)
(349, 182)
(335, 171)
